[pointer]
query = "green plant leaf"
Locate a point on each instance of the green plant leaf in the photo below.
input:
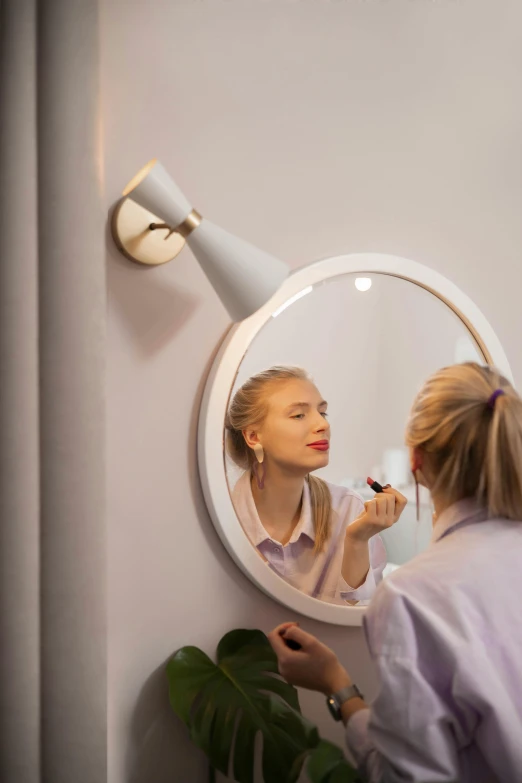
(325, 764)
(225, 705)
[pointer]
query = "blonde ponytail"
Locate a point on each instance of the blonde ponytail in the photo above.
(503, 467)
(248, 409)
(473, 442)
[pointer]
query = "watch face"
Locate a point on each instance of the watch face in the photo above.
(335, 712)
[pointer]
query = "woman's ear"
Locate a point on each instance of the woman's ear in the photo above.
(416, 459)
(420, 467)
(251, 438)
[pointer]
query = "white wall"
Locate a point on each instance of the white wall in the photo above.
(312, 129)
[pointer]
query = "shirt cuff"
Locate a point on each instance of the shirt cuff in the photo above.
(357, 738)
(366, 590)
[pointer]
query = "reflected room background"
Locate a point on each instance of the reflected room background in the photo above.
(368, 344)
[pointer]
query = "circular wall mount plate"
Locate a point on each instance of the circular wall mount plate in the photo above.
(137, 241)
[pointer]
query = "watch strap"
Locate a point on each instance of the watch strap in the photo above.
(336, 700)
(349, 692)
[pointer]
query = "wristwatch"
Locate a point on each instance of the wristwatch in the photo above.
(336, 700)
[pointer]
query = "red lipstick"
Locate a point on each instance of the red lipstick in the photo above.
(374, 485)
(320, 445)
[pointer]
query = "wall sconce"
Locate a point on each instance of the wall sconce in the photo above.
(154, 220)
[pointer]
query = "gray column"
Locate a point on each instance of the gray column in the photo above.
(72, 346)
(19, 504)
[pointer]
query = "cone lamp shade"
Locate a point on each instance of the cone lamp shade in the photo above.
(243, 276)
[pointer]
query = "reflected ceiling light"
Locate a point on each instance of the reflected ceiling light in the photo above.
(363, 283)
(154, 220)
(292, 299)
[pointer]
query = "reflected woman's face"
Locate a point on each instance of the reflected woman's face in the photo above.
(295, 434)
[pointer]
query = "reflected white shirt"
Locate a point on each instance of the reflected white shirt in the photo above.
(445, 632)
(317, 574)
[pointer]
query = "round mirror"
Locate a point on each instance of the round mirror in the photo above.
(337, 359)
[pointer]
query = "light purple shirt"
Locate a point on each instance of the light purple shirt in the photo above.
(317, 574)
(445, 632)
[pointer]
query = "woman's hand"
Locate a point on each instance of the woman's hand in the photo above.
(400, 501)
(379, 514)
(314, 666)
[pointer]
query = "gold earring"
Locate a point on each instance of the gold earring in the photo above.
(259, 452)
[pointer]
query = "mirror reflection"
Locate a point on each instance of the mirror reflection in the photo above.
(320, 403)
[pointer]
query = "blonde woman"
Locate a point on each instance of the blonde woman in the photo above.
(321, 538)
(445, 630)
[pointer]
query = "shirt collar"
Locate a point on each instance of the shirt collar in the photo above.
(305, 526)
(463, 511)
(257, 532)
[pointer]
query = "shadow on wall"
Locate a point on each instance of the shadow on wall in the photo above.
(162, 751)
(196, 490)
(151, 308)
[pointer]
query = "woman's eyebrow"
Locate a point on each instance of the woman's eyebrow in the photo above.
(305, 405)
(298, 405)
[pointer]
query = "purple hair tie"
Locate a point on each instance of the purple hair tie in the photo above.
(493, 398)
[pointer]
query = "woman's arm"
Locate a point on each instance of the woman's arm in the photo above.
(377, 563)
(377, 515)
(406, 735)
(356, 560)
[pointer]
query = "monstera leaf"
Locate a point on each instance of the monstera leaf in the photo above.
(226, 704)
(325, 764)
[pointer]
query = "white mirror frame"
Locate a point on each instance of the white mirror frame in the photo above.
(223, 375)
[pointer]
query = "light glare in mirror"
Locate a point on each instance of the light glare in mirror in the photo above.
(363, 283)
(292, 299)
